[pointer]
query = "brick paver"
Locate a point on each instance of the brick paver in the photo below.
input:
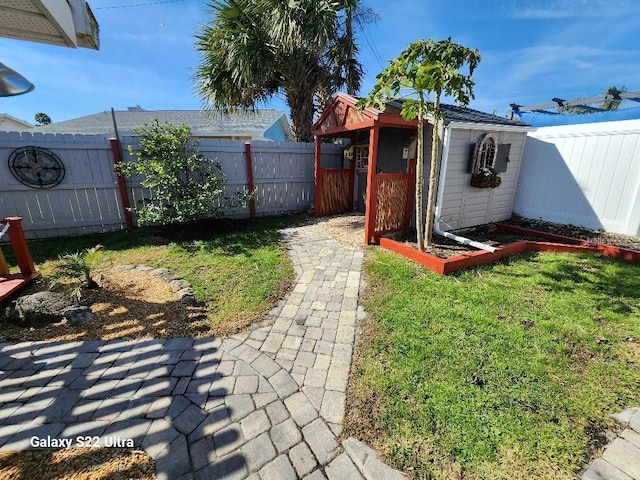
(266, 403)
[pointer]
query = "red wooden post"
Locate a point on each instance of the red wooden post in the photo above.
(317, 179)
(122, 185)
(252, 200)
(4, 268)
(19, 246)
(372, 186)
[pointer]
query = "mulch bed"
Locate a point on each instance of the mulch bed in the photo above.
(442, 247)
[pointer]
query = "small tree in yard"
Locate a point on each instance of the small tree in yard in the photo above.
(426, 67)
(186, 186)
(42, 119)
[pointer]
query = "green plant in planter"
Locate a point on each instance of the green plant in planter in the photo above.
(77, 270)
(486, 177)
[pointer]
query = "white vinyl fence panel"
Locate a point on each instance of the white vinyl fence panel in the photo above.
(88, 199)
(587, 175)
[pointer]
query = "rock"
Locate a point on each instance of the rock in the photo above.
(78, 315)
(41, 307)
(179, 284)
(122, 268)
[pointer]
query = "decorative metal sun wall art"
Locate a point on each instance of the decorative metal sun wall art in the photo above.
(36, 167)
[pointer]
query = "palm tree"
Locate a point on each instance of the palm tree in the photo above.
(426, 67)
(254, 49)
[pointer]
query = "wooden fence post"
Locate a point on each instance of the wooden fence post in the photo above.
(19, 246)
(317, 179)
(252, 200)
(372, 186)
(122, 184)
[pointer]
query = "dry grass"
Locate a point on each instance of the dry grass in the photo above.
(77, 464)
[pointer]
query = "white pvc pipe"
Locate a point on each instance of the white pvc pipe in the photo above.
(439, 199)
(460, 239)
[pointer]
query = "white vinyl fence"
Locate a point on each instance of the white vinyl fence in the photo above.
(587, 175)
(88, 199)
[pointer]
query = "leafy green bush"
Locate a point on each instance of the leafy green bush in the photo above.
(186, 186)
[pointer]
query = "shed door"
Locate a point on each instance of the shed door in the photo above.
(361, 191)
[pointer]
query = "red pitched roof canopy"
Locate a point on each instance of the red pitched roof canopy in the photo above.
(342, 115)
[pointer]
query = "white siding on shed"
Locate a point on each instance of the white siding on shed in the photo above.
(465, 206)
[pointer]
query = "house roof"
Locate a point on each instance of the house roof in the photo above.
(67, 23)
(203, 124)
(11, 121)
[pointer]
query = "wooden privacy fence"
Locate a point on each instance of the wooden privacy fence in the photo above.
(393, 202)
(88, 198)
(334, 191)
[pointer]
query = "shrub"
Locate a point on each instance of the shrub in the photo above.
(185, 185)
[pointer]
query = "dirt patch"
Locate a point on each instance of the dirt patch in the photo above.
(128, 305)
(77, 464)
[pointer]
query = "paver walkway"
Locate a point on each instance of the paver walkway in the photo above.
(621, 459)
(265, 404)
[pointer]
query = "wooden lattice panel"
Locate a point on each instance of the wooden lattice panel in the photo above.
(392, 203)
(334, 191)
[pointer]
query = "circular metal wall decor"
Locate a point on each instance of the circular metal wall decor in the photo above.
(36, 167)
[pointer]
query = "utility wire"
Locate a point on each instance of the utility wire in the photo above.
(149, 4)
(370, 43)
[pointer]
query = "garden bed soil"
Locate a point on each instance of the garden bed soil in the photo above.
(446, 256)
(442, 247)
(580, 233)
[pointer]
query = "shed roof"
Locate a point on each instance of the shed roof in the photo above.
(343, 115)
(204, 124)
(457, 114)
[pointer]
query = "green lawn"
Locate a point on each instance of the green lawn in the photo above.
(238, 272)
(502, 372)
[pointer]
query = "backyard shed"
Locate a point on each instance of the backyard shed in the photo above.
(377, 172)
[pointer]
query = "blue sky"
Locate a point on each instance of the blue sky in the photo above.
(532, 51)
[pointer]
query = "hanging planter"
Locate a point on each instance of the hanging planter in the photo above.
(486, 177)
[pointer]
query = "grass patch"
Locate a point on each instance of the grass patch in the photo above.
(501, 372)
(238, 269)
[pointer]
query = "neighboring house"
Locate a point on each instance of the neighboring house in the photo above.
(9, 123)
(380, 157)
(256, 125)
(66, 23)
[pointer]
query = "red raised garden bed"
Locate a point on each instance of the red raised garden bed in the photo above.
(556, 243)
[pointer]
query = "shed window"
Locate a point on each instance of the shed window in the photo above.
(485, 152)
(361, 155)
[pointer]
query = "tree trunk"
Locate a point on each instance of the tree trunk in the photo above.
(433, 174)
(300, 101)
(420, 176)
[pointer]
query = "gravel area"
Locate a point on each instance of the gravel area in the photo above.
(347, 228)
